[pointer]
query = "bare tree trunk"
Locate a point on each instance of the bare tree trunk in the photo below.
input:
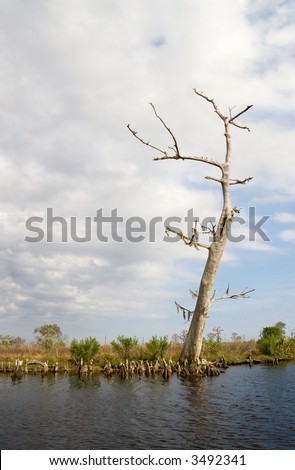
(193, 343)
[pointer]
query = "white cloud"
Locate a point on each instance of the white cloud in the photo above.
(284, 217)
(288, 235)
(73, 75)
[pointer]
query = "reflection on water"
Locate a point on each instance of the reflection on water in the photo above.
(241, 409)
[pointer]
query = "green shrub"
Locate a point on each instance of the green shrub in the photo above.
(268, 346)
(271, 340)
(85, 349)
(157, 347)
(124, 346)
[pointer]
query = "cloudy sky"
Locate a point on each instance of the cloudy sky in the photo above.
(73, 74)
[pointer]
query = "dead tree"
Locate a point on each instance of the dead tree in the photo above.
(219, 233)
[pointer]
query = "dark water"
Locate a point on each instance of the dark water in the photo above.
(245, 408)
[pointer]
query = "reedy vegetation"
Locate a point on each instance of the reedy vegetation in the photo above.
(273, 342)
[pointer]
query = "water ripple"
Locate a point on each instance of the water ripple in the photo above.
(241, 409)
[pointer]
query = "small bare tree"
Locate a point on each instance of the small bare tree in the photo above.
(205, 295)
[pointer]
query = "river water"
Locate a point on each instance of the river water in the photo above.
(245, 408)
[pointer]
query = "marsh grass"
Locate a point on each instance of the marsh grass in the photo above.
(29, 352)
(232, 351)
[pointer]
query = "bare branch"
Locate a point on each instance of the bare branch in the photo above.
(237, 210)
(243, 295)
(196, 159)
(218, 180)
(185, 312)
(232, 119)
(194, 294)
(145, 142)
(244, 181)
(240, 113)
(224, 118)
(177, 155)
(176, 149)
(190, 241)
(207, 229)
(216, 109)
(240, 127)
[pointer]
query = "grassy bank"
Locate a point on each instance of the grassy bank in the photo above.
(232, 352)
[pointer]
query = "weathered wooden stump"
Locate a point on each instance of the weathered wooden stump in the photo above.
(108, 370)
